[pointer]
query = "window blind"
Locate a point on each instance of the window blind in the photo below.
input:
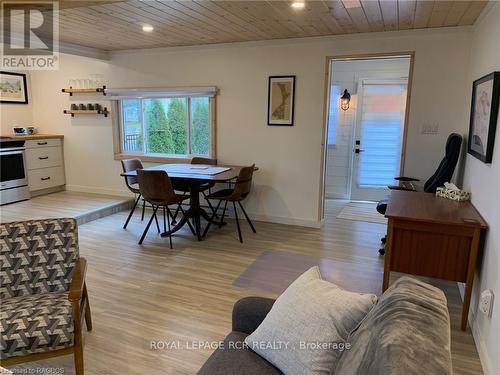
(382, 118)
(160, 92)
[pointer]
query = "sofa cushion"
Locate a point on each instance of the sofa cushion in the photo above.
(305, 330)
(235, 359)
(35, 324)
(407, 332)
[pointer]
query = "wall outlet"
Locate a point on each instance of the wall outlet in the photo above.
(486, 302)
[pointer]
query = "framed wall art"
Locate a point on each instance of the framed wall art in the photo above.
(484, 116)
(281, 100)
(13, 88)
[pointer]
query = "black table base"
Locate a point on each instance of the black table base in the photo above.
(195, 212)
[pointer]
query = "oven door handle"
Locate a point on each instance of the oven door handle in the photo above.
(19, 152)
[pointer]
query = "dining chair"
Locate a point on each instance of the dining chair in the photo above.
(43, 292)
(241, 190)
(182, 186)
(208, 185)
(157, 189)
(129, 165)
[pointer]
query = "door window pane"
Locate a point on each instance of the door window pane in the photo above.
(131, 125)
(200, 126)
(383, 112)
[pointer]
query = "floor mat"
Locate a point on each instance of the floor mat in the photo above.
(362, 212)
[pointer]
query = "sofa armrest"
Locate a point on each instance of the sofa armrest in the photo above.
(249, 312)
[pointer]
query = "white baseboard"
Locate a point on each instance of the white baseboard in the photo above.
(476, 334)
(97, 190)
(286, 220)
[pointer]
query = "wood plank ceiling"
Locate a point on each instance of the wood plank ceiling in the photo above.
(117, 25)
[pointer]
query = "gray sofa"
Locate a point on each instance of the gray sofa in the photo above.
(407, 332)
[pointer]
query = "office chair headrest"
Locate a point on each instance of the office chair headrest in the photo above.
(446, 168)
(454, 141)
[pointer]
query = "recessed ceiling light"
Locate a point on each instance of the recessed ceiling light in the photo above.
(298, 4)
(147, 28)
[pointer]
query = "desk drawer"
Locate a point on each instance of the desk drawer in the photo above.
(35, 143)
(43, 157)
(432, 254)
(45, 178)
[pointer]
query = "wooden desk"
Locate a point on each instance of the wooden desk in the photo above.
(433, 237)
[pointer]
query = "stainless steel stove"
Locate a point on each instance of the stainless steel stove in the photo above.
(13, 176)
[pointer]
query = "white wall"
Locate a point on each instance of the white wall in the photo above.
(483, 180)
(17, 114)
(287, 184)
(348, 74)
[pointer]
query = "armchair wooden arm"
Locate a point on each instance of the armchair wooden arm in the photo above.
(407, 179)
(78, 282)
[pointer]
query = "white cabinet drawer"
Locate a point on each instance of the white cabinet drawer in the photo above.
(35, 143)
(43, 157)
(45, 178)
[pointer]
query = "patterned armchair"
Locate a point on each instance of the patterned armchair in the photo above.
(43, 292)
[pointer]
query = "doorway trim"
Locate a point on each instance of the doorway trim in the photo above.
(326, 94)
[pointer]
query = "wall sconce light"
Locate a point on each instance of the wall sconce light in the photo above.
(344, 100)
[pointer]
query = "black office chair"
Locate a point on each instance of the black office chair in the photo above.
(443, 174)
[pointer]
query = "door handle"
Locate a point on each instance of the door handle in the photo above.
(357, 151)
(45, 178)
(43, 157)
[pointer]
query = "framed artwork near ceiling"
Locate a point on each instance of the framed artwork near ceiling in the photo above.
(13, 88)
(281, 100)
(484, 116)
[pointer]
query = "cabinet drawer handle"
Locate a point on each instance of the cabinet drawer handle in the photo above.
(41, 143)
(45, 178)
(43, 157)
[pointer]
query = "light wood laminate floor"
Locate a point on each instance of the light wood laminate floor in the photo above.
(141, 294)
(82, 206)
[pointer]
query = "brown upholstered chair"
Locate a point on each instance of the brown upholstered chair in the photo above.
(43, 292)
(208, 185)
(241, 189)
(201, 160)
(181, 186)
(156, 188)
(129, 165)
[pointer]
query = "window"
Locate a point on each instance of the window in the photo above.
(333, 112)
(166, 126)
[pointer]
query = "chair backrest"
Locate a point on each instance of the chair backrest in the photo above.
(200, 160)
(155, 186)
(243, 183)
(37, 256)
(446, 168)
(129, 165)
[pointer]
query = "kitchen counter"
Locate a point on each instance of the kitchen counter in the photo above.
(37, 136)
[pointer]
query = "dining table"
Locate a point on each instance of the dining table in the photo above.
(194, 176)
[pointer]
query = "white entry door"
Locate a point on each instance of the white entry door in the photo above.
(379, 128)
